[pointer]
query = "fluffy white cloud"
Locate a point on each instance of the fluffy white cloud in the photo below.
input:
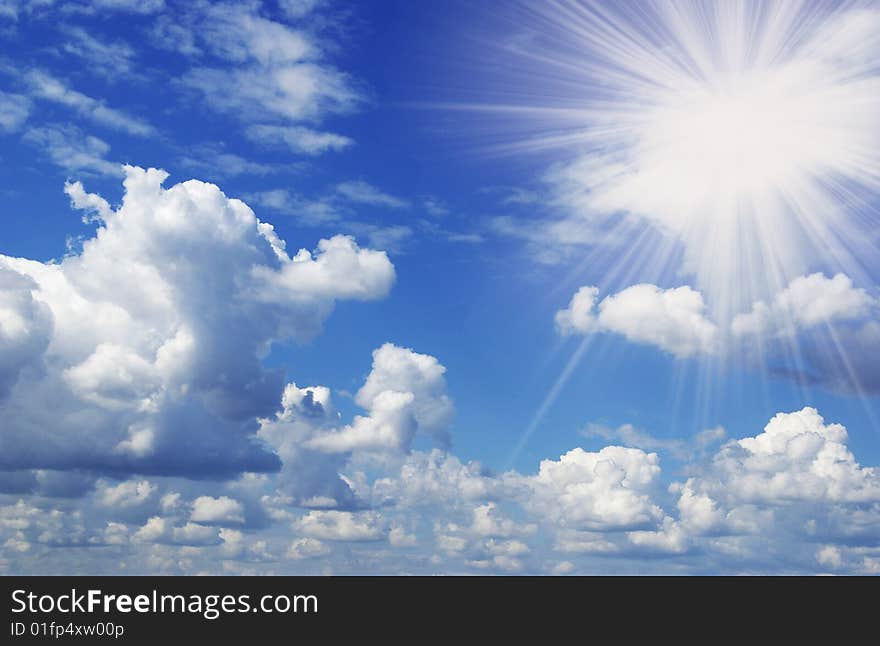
(136, 330)
(609, 489)
(672, 319)
(404, 394)
(74, 151)
(209, 510)
(341, 526)
(402, 370)
(833, 325)
(161, 530)
(125, 494)
(806, 302)
(797, 458)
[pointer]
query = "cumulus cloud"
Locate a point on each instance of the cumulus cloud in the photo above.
(25, 328)
(221, 510)
(609, 489)
(341, 526)
(672, 319)
(807, 301)
(830, 323)
(125, 494)
(136, 329)
(404, 394)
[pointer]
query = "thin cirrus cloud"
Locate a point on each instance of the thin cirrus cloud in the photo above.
(45, 87)
(278, 74)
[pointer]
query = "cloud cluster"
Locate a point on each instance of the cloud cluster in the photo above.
(130, 339)
(816, 329)
(266, 73)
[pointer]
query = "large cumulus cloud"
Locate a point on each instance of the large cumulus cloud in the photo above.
(144, 351)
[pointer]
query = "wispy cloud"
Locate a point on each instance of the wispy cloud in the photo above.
(71, 149)
(360, 192)
(44, 86)
(298, 139)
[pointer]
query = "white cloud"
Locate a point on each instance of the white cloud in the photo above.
(609, 489)
(672, 319)
(404, 394)
(125, 494)
(807, 301)
(360, 192)
(431, 478)
(95, 206)
(14, 111)
(298, 139)
(44, 86)
(209, 510)
(307, 548)
(341, 526)
(797, 457)
(25, 328)
(397, 369)
(278, 71)
(112, 59)
(141, 321)
(161, 530)
(74, 151)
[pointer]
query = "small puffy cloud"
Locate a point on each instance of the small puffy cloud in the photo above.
(672, 319)
(434, 477)
(609, 489)
(298, 139)
(404, 393)
(278, 72)
(162, 530)
(46, 87)
(488, 521)
(402, 370)
(221, 510)
(806, 302)
(125, 494)
(341, 526)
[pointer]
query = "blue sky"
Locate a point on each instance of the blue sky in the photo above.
(573, 263)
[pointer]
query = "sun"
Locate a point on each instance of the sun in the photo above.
(748, 133)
